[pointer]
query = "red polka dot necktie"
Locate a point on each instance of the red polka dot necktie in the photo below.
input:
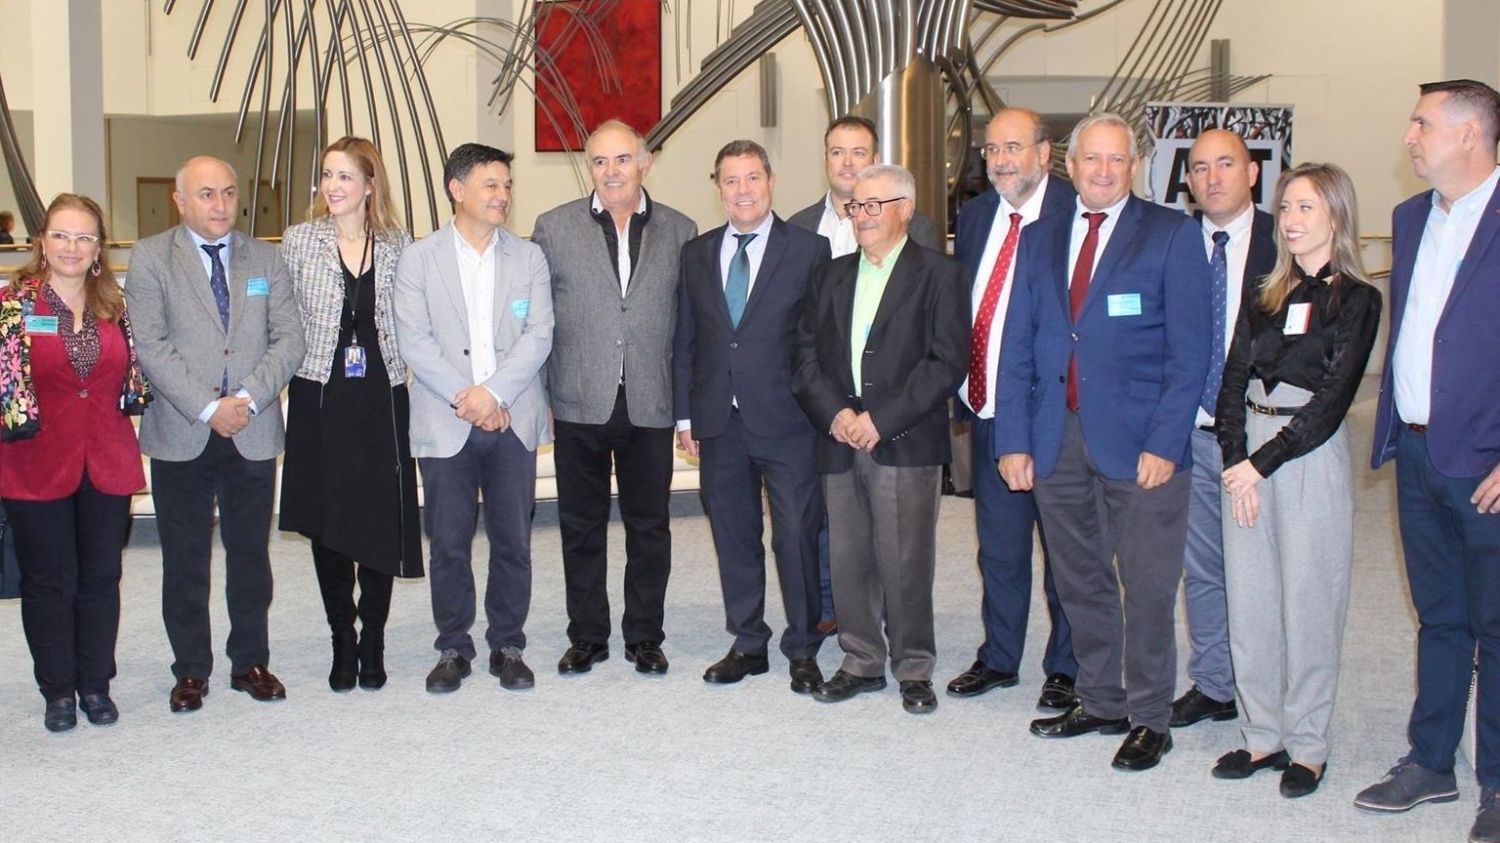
(979, 349)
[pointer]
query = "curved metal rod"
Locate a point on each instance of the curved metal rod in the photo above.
(320, 131)
(418, 136)
(28, 202)
(390, 102)
(1009, 42)
(819, 48)
(1109, 94)
(197, 35)
(859, 48)
(854, 76)
(255, 64)
(265, 105)
(229, 39)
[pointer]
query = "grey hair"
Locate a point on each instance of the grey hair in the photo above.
(1103, 118)
(615, 125)
(183, 170)
(900, 177)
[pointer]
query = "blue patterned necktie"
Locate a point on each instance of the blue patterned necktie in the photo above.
(217, 281)
(1218, 268)
(737, 289)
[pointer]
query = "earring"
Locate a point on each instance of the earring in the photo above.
(96, 268)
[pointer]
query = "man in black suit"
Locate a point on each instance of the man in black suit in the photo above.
(881, 346)
(743, 287)
(1017, 153)
(1241, 246)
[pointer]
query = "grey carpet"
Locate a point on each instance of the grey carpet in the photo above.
(615, 757)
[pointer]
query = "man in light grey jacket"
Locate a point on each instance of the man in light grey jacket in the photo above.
(473, 309)
(614, 257)
(218, 333)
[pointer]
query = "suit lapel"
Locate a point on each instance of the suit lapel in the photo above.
(1408, 226)
(1120, 240)
(238, 274)
(1062, 237)
(899, 286)
(505, 277)
(770, 258)
(190, 268)
(1484, 236)
(842, 296)
(711, 275)
(448, 275)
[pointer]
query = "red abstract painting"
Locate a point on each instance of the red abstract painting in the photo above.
(600, 59)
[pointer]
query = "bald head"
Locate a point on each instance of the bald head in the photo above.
(207, 197)
(1222, 175)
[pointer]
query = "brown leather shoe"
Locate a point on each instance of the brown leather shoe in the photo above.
(188, 694)
(259, 683)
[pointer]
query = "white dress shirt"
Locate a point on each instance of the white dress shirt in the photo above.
(839, 230)
(1236, 255)
(1081, 230)
(1030, 211)
(1445, 239)
(476, 275)
(622, 240)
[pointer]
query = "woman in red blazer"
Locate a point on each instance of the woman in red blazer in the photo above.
(68, 456)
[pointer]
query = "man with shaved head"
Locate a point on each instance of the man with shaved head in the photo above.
(614, 262)
(1241, 248)
(218, 333)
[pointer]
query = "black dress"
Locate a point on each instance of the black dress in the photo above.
(348, 479)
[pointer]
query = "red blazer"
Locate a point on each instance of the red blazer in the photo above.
(82, 425)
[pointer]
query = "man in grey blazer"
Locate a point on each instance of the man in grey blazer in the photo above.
(614, 261)
(218, 333)
(473, 309)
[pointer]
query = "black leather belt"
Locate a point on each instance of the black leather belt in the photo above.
(1208, 428)
(1417, 428)
(1271, 411)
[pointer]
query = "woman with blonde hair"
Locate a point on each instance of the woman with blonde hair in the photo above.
(348, 479)
(1299, 351)
(69, 463)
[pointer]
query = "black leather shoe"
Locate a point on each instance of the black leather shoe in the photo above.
(99, 709)
(978, 679)
(845, 686)
(1239, 764)
(345, 671)
(734, 667)
(1195, 705)
(514, 675)
(1300, 781)
(647, 657)
(917, 696)
(61, 715)
(1074, 722)
(806, 675)
(1142, 749)
(582, 656)
(448, 674)
(1057, 692)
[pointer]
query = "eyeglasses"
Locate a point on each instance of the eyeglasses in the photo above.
(872, 207)
(63, 238)
(1011, 149)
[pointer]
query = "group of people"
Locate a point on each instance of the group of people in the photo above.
(1153, 393)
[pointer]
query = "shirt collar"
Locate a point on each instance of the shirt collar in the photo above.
(1032, 207)
(200, 242)
(1238, 228)
(888, 263)
(760, 231)
(597, 207)
(1112, 212)
(463, 245)
(1475, 199)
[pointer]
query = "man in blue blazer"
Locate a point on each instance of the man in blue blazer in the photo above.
(1107, 343)
(1439, 418)
(743, 288)
(1017, 153)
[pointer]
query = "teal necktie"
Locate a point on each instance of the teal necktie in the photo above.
(737, 289)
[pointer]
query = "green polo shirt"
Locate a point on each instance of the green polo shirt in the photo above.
(869, 287)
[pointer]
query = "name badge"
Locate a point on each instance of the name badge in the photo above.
(257, 287)
(1125, 304)
(520, 307)
(1297, 318)
(354, 362)
(45, 325)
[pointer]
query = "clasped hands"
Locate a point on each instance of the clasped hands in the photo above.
(477, 406)
(857, 430)
(231, 416)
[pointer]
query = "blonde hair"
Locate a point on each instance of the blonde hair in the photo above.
(102, 294)
(380, 208)
(1336, 189)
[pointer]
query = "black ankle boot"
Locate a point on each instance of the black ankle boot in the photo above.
(345, 661)
(372, 660)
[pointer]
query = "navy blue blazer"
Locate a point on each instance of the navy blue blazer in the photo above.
(1140, 373)
(978, 214)
(714, 362)
(1463, 428)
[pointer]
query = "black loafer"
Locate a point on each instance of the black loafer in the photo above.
(917, 696)
(1195, 705)
(1142, 749)
(845, 686)
(1075, 721)
(1239, 764)
(99, 709)
(647, 657)
(806, 675)
(582, 656)
(1298, 781)
(978, 679)
(514, 675)
(1057, 692)
(736, 666)
(61, 715)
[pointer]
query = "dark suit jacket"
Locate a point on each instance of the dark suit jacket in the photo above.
(921, 230)
(1262, 257)
(715, 362)
(1140, 375)
(915, 356)
(1463, 428)
(977, 216)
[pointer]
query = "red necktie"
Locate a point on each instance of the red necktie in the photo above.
(1083, 270)
(979, 349)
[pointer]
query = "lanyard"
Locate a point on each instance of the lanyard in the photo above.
(366, 254)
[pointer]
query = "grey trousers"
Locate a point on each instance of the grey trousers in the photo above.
(1209, 665)
(1122, 618)
(1287, 579)
(882, 531)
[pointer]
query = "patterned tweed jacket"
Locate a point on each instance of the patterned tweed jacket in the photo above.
(312, 257)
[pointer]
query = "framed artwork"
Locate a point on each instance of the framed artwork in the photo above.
(596, 59)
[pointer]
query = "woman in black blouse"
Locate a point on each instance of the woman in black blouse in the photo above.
(1300, 346)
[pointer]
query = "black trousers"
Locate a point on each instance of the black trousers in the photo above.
(337, 574)
(69, 554)
(184, 493)
(642, 458)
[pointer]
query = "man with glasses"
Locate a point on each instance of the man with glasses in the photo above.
(881, 345)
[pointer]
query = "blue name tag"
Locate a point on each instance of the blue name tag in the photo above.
(257, 287)
(41, 324)
(1125, 304)
(520, 307)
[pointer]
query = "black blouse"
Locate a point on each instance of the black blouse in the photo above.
(1327, 360)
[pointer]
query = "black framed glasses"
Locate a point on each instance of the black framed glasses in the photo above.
(872, 207)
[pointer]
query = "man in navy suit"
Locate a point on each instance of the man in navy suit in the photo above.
(1241, 246)
(1017, 153)
(1107, 344)
(743, 288)
(1439, 417)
